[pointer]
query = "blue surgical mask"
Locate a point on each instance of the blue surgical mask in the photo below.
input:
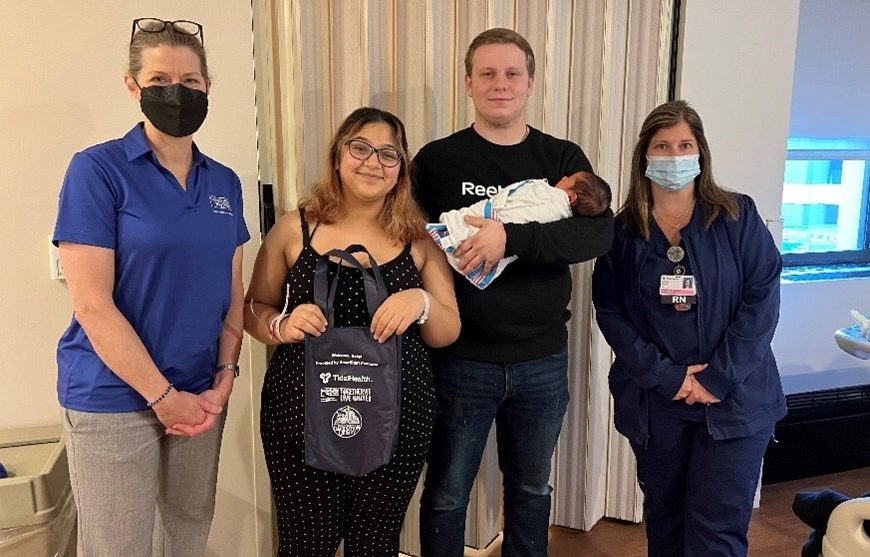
(673, 173)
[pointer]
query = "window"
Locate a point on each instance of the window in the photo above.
(825, 202)
(825, 208)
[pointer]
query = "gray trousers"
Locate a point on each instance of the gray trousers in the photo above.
(138, 491)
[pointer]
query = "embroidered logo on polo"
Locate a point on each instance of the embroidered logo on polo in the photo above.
(346, 422)
(220, 204)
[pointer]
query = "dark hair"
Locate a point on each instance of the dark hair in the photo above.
(593, 195)
(500, 35)
(168, 36)
(713, 198)
(401, 217)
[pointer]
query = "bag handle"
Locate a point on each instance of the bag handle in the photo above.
(324, 293)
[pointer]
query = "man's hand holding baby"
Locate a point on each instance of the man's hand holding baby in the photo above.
(486, 247)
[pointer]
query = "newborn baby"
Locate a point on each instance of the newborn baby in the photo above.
(582, 195)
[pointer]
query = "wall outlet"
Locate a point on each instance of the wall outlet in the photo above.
(54, 265)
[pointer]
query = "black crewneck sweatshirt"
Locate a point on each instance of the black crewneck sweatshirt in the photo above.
(522, 314)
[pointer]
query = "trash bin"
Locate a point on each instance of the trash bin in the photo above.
(37, 512)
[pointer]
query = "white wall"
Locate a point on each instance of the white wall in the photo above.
(832, 71)
(808, 358)
(62, 90)
(736, 68)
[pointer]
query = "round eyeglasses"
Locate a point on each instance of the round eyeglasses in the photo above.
(154, 25)
(361, 149)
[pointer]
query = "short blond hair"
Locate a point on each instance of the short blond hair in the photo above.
(500, 35)
(167, 36)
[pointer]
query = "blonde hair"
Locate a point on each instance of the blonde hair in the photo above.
(400, 217)
(168, 36)
(500, 35)
(713, 198)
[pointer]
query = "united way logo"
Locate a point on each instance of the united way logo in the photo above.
(220, 205)
(346, 422)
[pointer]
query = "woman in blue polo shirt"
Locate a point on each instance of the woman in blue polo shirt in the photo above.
(688, 298)
(150, 233)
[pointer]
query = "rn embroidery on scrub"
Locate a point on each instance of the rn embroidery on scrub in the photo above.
(220, 204)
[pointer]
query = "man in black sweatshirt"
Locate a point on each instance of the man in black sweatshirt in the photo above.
(510, 362)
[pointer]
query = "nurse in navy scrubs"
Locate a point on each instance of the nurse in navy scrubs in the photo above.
(150, 233)
(688, 298)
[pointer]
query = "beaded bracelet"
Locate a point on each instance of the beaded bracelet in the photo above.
(425, 315)
(156, 401)
(275, 327)
(275, 323)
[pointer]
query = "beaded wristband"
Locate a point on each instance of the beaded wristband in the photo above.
(425, 315)
(275, 327)
(156, 401)
(275, 323)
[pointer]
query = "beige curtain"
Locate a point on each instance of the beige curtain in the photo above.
(601, 66)
(625, 72)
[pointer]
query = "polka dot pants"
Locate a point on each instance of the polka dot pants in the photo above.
(316, 510)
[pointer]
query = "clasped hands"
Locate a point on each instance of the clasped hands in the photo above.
(692, 391)
(189, 415)
(486, 247)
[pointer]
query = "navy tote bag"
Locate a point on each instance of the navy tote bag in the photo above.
(352, 382)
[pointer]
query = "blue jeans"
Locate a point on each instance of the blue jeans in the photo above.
(527, 400)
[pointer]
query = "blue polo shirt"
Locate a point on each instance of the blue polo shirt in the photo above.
(173, 264)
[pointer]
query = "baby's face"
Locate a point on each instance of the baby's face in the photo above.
(567, 185)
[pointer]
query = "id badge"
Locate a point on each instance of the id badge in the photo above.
(678, 289)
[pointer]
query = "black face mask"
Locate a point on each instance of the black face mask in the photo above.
(175, 110)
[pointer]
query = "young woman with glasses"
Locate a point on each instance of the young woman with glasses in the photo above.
(364, 199)
(150, 233)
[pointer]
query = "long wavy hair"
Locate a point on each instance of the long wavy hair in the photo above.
(713, 198)
(401, 218)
